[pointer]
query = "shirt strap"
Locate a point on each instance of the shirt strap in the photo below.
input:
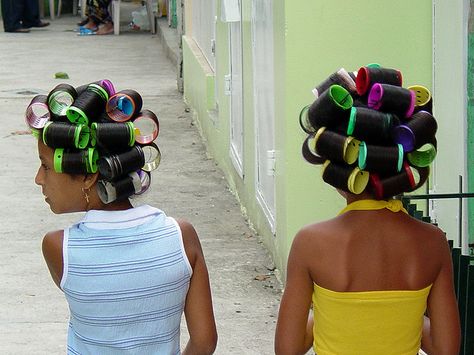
(371, 205)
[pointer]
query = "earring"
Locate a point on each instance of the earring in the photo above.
(86, 195)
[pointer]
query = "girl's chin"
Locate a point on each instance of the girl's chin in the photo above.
(51, 206)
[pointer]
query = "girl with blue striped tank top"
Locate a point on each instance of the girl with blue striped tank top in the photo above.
(128, 273)
(372, 280)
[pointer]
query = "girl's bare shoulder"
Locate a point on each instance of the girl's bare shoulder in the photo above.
(53, 239)
(430, 236)
(423, 230)
(52, 245)
(317, 234)
(336, 229)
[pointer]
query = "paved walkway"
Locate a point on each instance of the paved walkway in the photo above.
(33, 312)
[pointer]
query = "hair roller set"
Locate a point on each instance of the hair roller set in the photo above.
(93, 128)
(369, 132)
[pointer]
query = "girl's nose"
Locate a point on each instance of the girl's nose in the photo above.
(38, 177)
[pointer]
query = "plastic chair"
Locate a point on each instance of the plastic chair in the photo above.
(51, 8)
(74, 7)
(116, 15)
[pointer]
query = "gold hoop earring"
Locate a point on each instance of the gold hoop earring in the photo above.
(86, 195)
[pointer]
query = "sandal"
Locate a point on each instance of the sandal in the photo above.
(82, 28)
(86, 32)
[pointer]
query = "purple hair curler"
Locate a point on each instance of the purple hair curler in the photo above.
(145, 179)
(393, 99)
(37, 113)
(420, 129)
(107, 85)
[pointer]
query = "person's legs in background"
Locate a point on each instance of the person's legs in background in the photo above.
(99, 21)
(101, 15)
(90, 23)
(12, 11)
(30, 15)
(86, 13)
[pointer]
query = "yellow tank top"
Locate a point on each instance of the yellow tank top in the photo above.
(369, 322)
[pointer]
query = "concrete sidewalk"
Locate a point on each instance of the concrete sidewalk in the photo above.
(33, 312)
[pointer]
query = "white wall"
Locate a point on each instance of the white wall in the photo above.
(450, 109)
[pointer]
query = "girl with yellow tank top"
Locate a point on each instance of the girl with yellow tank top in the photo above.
(378, 280)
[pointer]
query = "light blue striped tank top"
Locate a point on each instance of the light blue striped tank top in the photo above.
(126, 276)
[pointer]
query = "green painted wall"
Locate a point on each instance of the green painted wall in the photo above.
(319, 37)
(312, 39)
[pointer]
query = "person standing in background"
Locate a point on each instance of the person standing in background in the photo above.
(98, 20)
(20, 15)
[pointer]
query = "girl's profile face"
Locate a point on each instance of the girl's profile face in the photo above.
(63, 192)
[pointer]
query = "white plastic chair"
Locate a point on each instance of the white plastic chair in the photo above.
(116, 15)
(74, 7)
(51, 8)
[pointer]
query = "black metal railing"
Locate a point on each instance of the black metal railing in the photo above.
(460, 196)
(463, 265)
(463, 269)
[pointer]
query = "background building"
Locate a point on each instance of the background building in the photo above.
(249, 67)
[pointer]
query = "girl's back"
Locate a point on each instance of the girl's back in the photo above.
(126, 277)
(371, 278)
(374, 250)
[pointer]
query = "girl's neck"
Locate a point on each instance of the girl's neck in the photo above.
(114, 206)
(363, 196)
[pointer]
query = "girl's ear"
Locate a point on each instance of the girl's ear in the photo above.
(90, 180)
